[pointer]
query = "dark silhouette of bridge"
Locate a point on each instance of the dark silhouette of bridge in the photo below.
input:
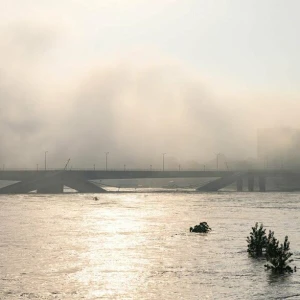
(53, 181)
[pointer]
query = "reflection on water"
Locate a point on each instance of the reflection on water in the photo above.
(138, 246)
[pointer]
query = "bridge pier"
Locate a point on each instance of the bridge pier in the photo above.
(224, 181)
(250, 183)
(21, 187)
(83, 186)
(52, 183)
(54, 188)
(239, 184)
(262, 183)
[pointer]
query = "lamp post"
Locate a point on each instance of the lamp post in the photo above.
(150, 167)
(106, 154)
(163, 155)
(218, 160)
(46, 160)
(124, 168)
(203, 167)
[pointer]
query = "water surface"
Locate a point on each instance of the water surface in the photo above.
(138, 246)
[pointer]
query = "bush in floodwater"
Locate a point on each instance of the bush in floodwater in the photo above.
(257, 241)
(272, 245)
(202, 228)
(277, 256)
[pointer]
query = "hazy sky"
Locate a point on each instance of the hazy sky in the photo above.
(138, 78)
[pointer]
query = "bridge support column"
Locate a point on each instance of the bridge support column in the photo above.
(18, 188)
(55, 188)
(222, 182)
(251, 183)
(52, 184)
(83, 186)
(262, 183)
(239, 184)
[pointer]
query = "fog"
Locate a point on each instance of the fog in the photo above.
(135, 103)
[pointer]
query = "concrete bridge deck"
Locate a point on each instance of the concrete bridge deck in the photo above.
(53, 181)
(121, 174)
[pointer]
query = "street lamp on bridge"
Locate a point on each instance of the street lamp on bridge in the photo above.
(46, 160)
(163, 155)
(106, 154)
(218, 154)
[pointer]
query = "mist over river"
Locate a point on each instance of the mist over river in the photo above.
(138, 246)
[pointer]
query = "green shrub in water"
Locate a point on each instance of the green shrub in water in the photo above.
(277, 256)
(202, 227)
(272, 245)
(257, 241)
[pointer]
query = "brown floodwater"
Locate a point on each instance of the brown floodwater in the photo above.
(138, 246)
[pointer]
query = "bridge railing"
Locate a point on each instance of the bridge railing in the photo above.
(108, 170)
(144, 170)
(114, 169)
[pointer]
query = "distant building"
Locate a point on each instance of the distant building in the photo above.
(278, 148)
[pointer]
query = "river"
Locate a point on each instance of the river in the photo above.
(138, 246)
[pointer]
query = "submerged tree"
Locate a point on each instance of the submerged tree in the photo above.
(202, 228)
(277, 256)
(272, 245)
(257, 241)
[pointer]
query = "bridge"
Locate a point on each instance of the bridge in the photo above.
(53, 181)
